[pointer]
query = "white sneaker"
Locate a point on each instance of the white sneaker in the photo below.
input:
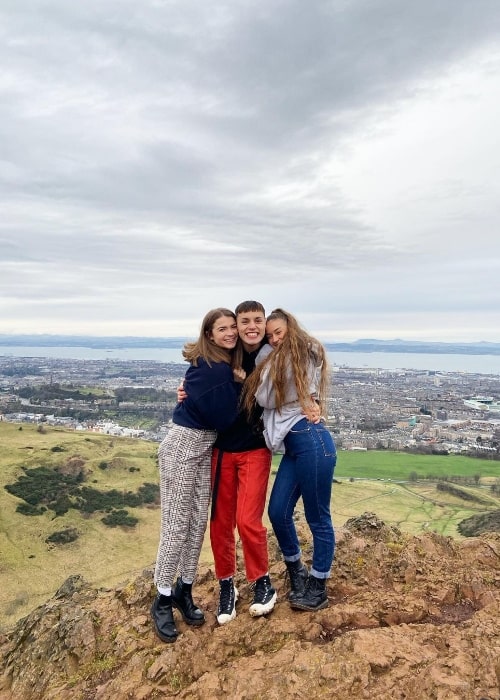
(264, 597)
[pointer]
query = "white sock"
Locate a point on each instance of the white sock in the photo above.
(167, 590)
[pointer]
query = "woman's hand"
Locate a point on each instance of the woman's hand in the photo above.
(312, 413)
(239, 374)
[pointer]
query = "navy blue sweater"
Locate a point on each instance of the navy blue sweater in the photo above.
(212, 397)
(245, 433)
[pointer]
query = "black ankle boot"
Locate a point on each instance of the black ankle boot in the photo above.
(163, 618)
(314, 597)
(182, 599)
(298, 574)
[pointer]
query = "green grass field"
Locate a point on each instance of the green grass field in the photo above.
(378, 481)
(398, 465)
(31, 570)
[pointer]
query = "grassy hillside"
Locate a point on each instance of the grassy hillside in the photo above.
(31, 570)
(413, 508)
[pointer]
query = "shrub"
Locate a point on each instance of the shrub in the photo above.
(61, 505)
(458, 493)
(477, 524)
(70, 534)
(61, 491)
(42, 485)
(27, 509)
(150, 493)
(119, 518)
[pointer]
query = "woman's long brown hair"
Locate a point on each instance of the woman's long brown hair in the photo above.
(296, 351)
(205, 347)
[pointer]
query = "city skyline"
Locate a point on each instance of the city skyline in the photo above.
(339, 160)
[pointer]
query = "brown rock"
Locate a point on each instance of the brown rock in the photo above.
(409, 617)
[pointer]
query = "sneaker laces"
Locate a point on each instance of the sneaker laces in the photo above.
(261, 588)
(226, 595)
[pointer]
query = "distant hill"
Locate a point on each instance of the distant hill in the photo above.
(415, 346)
(362, 345)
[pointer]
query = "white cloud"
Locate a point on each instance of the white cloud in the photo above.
(339, 160)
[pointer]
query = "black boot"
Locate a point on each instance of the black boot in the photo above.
(298, 574)
(163, 618)
(183, 601)
(314, 597)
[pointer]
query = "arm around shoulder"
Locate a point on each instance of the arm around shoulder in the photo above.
(220, 403)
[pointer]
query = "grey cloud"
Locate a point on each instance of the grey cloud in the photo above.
(144, 145)
(291, 68)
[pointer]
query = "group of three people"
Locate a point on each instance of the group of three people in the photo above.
(243, 399)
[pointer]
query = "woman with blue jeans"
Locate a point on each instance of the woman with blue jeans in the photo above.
(291, 375)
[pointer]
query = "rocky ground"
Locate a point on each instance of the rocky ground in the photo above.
(409, 618)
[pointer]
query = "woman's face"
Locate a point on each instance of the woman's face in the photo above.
(276, 331)
(224, 333)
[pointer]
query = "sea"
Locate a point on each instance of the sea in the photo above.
(470, 364)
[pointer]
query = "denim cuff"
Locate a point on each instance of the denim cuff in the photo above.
(319, 574)
(295, 557)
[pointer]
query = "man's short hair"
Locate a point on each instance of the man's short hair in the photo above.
(247, 306)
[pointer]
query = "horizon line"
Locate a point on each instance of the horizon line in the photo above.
(184, 338)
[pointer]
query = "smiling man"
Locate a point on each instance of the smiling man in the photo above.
(241, 464)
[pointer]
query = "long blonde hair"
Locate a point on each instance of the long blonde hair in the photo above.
(295, 351)
(205, 347)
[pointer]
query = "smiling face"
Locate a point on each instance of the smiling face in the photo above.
(224, 332)
(251, 329)
(275, 331)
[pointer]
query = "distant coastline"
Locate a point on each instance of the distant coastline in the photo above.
(413, 346)
(90, 341)
(364, 345)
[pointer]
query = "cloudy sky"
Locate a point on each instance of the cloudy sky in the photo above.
(337, 158)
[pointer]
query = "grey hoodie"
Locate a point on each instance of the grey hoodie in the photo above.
(278, 423)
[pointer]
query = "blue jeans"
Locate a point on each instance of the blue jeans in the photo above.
(306, 470)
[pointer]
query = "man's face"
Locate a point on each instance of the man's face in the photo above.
(251, 329)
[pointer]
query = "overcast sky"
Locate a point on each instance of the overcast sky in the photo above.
(340, 159)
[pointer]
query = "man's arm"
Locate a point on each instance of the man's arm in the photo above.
(181, 394)
(239, 375)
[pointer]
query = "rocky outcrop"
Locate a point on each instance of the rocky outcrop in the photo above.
(409, 618)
